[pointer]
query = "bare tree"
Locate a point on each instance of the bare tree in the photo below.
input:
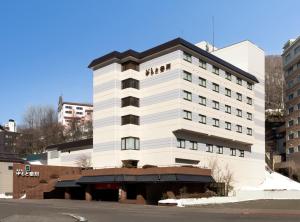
(83, 161)
(274, 82)
(221, 175)
(42, 129)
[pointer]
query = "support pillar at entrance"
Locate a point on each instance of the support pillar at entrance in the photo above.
(122, 194)
(67, 194)
(88, 193)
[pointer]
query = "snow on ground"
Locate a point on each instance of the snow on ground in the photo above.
(275, 186)
(4, 196)
(276, 181)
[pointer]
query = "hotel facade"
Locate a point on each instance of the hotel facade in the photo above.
(179, 104)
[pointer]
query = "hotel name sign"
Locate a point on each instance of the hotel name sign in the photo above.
(157, 70)
(27, 172)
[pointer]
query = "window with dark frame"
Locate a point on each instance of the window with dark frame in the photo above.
(216, 105)
(202, 119)
(130, 119)
(227, 109)
(194, 145)
(130, 101)
(216, 122)
(187, 57)
(216, 87)
(187, 76)
(227, 125)
(202, 100)
(202, 64)
(181, 143)
(202, 82)
(130, 83)
(209, 148)
(227, 92)
(219, 149)
(215, 70)
(242, 153)
(228, 76)
(232, 151)
(187, 95)
(130, 143)
(187, 115)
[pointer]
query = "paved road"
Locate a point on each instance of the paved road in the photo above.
(56, 210)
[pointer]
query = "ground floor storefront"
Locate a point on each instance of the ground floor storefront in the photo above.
(125, 185)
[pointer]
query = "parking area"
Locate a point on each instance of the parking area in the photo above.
(62, 210)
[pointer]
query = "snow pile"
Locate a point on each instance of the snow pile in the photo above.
(275, 186)
(199, 201)
(4, 196)
(276, 181)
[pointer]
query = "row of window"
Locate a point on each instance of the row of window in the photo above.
(293, 149)
(292, 68)
(293, 122)
(216, 122)
(71, 107)
(216, 87)
(215, 104)
(70, 112)
(216, 70)
(193, 145)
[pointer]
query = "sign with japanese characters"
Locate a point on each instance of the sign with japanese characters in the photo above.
(157, 70)
(27, 172)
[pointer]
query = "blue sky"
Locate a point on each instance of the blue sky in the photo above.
(45, 46)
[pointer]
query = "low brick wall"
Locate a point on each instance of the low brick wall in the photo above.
(34, 186)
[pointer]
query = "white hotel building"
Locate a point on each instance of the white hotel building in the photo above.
(177, 104)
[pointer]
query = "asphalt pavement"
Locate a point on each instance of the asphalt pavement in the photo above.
(70, 210)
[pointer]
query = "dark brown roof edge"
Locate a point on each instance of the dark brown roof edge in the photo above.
(69, 145)
(167, 45)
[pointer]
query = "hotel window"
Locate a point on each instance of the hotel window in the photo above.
(227, 109)
(291, 123)
(297, 50)
(187, 115)
(239, 128)
(215, 70)
(249, 116)
(130, 65)
(68, 112)
(291, 96)
(202, 82)
(79, 108)
(291, 150)
(249, 131)
(239, 96)
(68, 107)
(209, 148)
(228, 125)
(216, 122)
(130, 119)
(291, 109)
(202, 64)
(130, 83)
(219, 150)
(187, 95)
(242, 153)
(187, 76)
(232, 152)
(130, 101)
(202, 119)
(239, 81)
(181, 143)
(216, 105)
(187, 57)
(249, 86)
(239, 112)
(130, 143)
(79, 113)
(228, 76)
(202, 100)
(291, 136)
(249, 101)
(227, 92)
(194, 145)
(216, 87)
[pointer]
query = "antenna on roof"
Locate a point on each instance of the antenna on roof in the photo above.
(213, 33)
